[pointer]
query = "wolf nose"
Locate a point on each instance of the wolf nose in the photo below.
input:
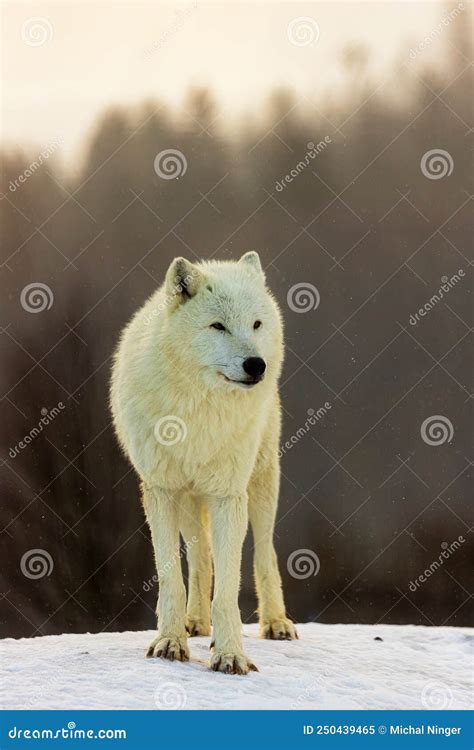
(254, 366)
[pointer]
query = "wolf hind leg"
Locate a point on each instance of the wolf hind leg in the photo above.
(263, 499)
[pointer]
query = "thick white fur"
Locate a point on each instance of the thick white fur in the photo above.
(220, 466)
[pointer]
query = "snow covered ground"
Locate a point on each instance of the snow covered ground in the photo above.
(330, 667)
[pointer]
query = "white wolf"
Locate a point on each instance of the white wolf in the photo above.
(195, 403)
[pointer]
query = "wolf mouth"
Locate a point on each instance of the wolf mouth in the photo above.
(247, 383)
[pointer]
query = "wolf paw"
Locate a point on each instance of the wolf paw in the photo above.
(197, 627)
(231, 663)
(169, 647)
(278, 630)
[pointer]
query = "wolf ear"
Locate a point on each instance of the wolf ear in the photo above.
(252, 260)
(183, 281)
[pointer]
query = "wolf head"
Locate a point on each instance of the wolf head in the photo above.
(223, 327)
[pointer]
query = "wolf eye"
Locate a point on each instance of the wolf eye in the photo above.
(257, 324)
(218, 326)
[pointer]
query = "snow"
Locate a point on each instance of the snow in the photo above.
(330, 667)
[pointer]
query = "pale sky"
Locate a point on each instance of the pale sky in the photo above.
(95, 54)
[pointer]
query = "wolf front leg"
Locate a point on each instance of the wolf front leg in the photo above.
(163, 518)
(263, 500)
(194, 528)
(229, 518)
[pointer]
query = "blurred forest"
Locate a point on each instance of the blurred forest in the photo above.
(367, 228)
